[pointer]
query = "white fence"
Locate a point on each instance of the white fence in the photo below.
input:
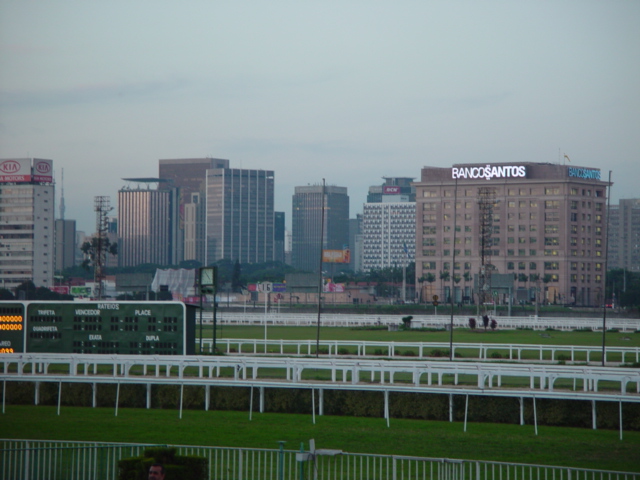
(419, 321)
(49, 460)
(479, 351)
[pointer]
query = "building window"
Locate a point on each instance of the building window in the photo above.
(551, 204)
(533, 204)
(552, 217)
(532, 265)
(522, 252)
(510, 266)
(429, 242)
(428, 253)
(551, 266)
(550, 253)
(532, 253)
(552, 191)
(551, 241)
(428, 265)
(429, 230)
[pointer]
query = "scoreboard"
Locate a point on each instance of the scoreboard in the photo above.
(144, 328)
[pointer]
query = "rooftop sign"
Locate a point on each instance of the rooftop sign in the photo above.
(584, 173)
(488, 172)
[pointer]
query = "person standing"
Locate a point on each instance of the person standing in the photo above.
(156, 472)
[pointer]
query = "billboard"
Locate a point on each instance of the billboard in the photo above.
(336, 256)
(15, 170)
(391, 190)
(42, 170)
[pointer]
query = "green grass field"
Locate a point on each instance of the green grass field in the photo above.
(600, 449)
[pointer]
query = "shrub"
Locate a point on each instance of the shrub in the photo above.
(407, 321)
(496, 355)
(343, 351)
(409, 353)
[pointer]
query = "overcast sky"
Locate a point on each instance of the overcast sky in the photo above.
(349, 91)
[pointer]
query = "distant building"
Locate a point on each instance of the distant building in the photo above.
(26, 222)
(194, 228)
(278, 240)
(308, 203)
(65, 244)
(148, 230)
(388, 235)
(624, 235)
(389, 225)
(544, 223)
(240, 215)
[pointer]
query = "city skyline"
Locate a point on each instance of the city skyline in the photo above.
(349, 92)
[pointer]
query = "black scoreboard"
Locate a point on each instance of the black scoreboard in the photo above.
(139, 328)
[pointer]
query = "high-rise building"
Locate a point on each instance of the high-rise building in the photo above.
(308, 203)
(65, 244)
(187, 174)
(148, 230)
(389, 224)
(624, 235)
(278, 233)
(543, 223)
(194, 228)
(388, 235)
(26, 222)
(240, 215)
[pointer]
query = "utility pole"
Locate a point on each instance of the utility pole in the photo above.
(102, 207)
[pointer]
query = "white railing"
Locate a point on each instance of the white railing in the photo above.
(431, 350)
(278, 371)
(419, 321)
(51, 460)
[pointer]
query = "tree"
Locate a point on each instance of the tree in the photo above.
(236, 282)
(90, 251)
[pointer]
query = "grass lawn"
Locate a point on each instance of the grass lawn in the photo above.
(600, 449)
(463, 335)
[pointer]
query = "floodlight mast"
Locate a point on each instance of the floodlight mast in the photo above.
(102, 207)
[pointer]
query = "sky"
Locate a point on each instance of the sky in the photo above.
(345, 91)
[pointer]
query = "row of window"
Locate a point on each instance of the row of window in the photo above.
(512, 192)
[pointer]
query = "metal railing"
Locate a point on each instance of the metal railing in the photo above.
(479, 351)
(51, 460)
(418, 321)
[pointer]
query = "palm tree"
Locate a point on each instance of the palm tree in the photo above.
(444, 276)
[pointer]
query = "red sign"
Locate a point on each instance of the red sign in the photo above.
(42, 170)
(18, 170)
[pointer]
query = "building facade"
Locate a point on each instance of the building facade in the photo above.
(388, 235)
(194, 228)
(624, 235)
(65, 244)
(308, 204)
(26, 222)
(543, 223)
(239, 215)
(389, 225)
(148, 229)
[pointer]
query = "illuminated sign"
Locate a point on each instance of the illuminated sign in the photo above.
(584, 173)
(391, 190)
(488, 172)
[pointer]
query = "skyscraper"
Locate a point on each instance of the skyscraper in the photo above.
(308, 203)
(147, 225)
(26, 222)
(240, 215)
(389, 225)
(624, 235)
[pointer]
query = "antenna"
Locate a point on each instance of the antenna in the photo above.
(62, 195)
